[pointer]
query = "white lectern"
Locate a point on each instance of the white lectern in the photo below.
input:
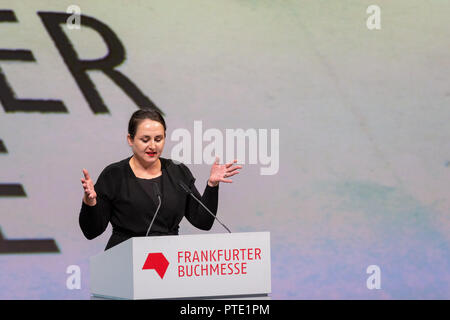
(184, 266)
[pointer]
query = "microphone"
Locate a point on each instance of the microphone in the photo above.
(158, 194)
(187, 190)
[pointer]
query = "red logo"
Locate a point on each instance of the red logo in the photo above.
(158, 262)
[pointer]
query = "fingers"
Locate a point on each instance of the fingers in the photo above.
(86, 174)
(230, 164)
(234, 168)
(90, 194)
(88, 189)
(231, 170)
(86, 183)
(230, 174)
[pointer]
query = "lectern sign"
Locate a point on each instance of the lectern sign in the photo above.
(184, 266)
(223, 262)
(158, 262)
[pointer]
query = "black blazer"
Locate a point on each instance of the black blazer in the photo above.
(123, 202)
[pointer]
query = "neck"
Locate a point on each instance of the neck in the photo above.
(153, 168)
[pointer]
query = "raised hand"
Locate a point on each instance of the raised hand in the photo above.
(220, 172)
(90, 196)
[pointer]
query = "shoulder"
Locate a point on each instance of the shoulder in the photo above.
(177, 168)
(115, 169)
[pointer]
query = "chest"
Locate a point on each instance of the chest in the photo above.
(139, 197)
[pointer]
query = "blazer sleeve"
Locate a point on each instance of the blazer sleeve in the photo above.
(194, 212)
(93, 220)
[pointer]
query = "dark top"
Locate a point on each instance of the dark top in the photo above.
(149, 185)
(124, 202)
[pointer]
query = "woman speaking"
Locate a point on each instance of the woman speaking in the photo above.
(129, 192)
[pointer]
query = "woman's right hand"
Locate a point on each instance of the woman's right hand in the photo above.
(90, 196)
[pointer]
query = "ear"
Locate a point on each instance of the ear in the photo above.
(130, 141)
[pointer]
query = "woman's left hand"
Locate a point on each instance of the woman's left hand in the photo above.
(220, 172)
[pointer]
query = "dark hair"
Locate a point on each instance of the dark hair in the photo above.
(138, 116)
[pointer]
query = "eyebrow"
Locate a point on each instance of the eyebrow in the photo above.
(158, 136)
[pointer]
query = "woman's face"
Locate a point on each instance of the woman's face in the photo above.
(148, 143)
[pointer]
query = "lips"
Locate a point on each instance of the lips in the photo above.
(151, 154)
